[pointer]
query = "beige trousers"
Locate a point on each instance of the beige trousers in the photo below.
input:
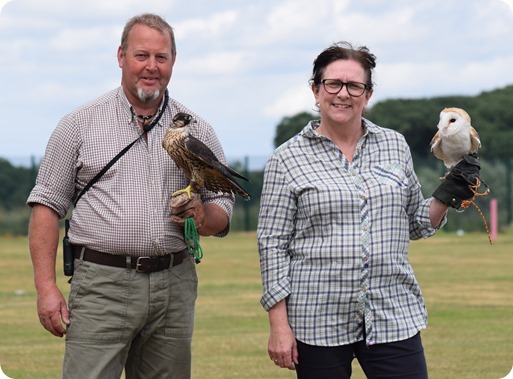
(121, 319)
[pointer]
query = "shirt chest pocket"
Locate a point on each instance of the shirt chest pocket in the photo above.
(391, 174)
(389, 184)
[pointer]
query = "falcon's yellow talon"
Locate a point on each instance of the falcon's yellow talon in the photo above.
(186, 190)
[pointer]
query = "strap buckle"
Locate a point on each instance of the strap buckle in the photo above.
(143, 264)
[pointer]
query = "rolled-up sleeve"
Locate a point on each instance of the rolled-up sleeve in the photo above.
(55, 183)
(276, 227)
(422, 225)
(418, 207)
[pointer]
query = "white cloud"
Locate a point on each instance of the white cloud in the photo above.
(413, 79)
(70, 40)
(291, 101)
(244, 64)
(216, 63)
(209, 27)
(3, 3)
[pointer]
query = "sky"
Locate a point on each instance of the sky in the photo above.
(242, 65)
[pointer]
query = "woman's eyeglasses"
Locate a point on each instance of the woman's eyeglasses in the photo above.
(334, 86)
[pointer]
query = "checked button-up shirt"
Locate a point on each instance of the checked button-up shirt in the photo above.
(127, 211)
(333, 238)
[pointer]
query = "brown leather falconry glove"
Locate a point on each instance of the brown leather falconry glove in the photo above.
(182, 207)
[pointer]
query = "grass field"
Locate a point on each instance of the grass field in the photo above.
(468, 286)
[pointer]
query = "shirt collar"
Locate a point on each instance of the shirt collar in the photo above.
(128, 108)
(370, 127)
(309, 130)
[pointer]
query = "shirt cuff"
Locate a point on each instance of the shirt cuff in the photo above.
(425, 229)
(275, 294)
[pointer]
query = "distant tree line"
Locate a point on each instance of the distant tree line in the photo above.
(15, 185)
(491, 113)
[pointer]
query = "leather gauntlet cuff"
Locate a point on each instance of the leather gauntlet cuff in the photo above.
(456, 186)
(447, 198)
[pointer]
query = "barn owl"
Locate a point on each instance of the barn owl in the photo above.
(455, 137)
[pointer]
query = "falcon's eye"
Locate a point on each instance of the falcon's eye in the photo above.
(452, 120)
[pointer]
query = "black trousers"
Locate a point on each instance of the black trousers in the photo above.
(394, 360)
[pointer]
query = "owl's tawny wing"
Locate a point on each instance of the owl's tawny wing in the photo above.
(475, 141)
(436, 147)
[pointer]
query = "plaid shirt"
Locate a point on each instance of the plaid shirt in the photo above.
(333, 238)
(126, 211)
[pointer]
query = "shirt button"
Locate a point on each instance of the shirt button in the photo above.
(363, 197)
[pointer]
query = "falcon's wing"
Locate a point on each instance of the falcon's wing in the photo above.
(215, 181)
(217, 176)
(475, 142)
(436, 147)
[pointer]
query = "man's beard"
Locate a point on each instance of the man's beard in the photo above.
(147, 96)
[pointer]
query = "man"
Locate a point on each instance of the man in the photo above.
(132, 296)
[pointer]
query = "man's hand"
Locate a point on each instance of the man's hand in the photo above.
(182, 208)
(53, 311)
(457, 184)
(43, 242)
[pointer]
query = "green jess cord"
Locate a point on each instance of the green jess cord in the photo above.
(192, 239)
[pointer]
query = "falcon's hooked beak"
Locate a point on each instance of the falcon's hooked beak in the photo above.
(182, 119)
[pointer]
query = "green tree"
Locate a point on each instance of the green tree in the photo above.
(415, 119)
(16, 183)
(15, 186)
(290, 126)
(492, 116)
(491, 113)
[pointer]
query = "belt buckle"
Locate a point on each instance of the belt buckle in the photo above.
(139, 264)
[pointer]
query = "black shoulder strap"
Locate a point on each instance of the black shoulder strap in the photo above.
(147, 128)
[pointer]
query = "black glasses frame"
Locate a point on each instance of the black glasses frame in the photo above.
(351, 87)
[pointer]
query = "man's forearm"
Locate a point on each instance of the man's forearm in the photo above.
(43, 243)
(216, 220)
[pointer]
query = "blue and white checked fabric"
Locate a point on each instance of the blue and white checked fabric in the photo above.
(333, 238)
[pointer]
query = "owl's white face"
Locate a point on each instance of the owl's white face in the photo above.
(453, 121)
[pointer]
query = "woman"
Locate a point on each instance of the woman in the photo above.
(339, 205)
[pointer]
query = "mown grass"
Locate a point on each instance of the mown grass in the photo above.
(468, 286)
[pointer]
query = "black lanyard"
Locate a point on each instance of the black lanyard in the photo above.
(146, 128)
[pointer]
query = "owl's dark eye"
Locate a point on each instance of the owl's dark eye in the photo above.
(452, 120)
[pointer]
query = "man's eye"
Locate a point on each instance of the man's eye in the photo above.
(141, 56)
(161, 59)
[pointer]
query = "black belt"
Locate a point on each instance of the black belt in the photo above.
(139, 264)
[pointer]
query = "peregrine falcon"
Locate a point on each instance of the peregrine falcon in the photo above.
(198, 162)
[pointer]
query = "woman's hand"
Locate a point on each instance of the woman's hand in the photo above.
(282, 347)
